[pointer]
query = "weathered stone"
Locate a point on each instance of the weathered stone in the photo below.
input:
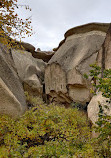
(44, 55)
(28, 47)
(93, 107)
(65, 71)
(104, 55)
(12, 99)
(30, 71)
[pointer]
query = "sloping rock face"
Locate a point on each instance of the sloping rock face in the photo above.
(104, 55)
(12, 99)
(64, 75)
(44, 55)
(30, 71)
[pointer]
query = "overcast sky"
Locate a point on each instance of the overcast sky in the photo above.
(52, 18)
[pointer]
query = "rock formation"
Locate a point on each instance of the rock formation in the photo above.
(93, 107)
(64, 74)
(104, 55)
(103, 27)
(104, 60)
(12, 99)
(30, 71)
(28, 47)
(44, 55)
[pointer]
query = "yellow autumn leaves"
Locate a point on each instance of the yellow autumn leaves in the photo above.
(11, 26)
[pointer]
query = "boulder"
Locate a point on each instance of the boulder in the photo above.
(30, 71)
(93, 107)
(12, 99)
(28, 47)
(64, 74)
(44, 55)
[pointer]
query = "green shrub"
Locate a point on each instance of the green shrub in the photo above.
(33, 101)
(46, 131)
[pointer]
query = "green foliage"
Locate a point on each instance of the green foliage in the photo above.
(104, 128)
(95, 71)
(46, 131)
(86, 76)
(103, 84)
(33, 101)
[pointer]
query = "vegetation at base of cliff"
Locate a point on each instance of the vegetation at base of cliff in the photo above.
(46, 131)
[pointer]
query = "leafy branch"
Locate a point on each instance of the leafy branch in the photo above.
(10, 23)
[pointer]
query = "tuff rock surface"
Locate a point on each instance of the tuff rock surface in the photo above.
(12, 99)
(93, 107)
(30, 71)
(28, 47)
(64, 74)
(44, 55)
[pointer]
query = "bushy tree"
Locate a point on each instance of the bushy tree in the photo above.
(10, 23)
(102, 83)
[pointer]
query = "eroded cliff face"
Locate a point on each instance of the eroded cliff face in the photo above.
(56, 83)
(30, 71)
(64, 75)
(104, 55)
(12, 98)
